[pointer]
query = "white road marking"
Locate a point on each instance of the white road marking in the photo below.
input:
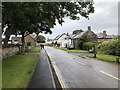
(75, 60)
(82, 63)
(109, 75)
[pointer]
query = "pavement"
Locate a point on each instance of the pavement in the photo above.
(42, 76)
(77, 72)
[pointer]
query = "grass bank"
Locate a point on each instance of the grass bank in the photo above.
(104, 57)
(35, 49)
(17, 70)
(72, 51)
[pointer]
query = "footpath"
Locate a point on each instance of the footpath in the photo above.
(42, 76)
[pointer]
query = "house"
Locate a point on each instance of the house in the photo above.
(70, 39)
(60, 40)
(89, 34)
(103, 36)
(28, 39)
(50, 41)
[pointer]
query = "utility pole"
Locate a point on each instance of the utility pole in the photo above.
(95, 49)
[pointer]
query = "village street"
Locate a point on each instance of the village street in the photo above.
(77, 72)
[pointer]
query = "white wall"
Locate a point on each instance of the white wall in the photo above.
(62, 41)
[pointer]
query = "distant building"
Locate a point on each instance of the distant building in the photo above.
(50, 41)
(29, 38)
(103, 36)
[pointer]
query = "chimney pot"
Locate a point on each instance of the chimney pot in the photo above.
(89, 27)
(104, 34)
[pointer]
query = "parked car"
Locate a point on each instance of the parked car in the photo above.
(71, 47)
(91, 50)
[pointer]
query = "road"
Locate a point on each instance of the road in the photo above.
(77, 72)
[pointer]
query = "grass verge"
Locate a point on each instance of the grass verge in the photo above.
(35, 49)
(104, 57)
(72, 51)
(18, 69)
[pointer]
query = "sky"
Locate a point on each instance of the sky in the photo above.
(105, 17)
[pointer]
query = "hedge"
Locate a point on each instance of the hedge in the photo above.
(111, 47)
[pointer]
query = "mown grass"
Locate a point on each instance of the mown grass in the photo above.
(104, 57)
(35, 49)
(17, 70)
(100, 56)
(72, 51)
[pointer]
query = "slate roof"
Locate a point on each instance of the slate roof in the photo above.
(56, 38)
(78, 35)
(71, 36)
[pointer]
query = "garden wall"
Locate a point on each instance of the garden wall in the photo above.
(6, 52)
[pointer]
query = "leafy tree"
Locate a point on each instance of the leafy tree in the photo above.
(40, 39)
(27, 17)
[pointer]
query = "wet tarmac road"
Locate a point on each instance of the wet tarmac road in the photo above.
(77, 72)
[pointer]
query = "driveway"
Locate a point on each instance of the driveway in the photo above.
(76, 72)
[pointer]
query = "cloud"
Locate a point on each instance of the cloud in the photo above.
(105, 17)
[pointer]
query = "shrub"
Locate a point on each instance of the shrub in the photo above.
(88, 45)
(28, 43)
(111, 47)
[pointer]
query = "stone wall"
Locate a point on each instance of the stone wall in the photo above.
(6, 52)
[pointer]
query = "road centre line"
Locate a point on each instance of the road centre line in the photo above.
(75, 61)
(94, 68)
(98, 70)
(109, 75)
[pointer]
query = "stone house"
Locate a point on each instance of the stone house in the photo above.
(29, 38)
(89, 34)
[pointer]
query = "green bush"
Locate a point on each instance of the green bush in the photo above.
(111, 47)
(88, 45)
(28, 43)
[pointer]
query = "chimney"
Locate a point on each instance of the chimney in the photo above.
(67, 34)
(104, 34)
(89, 28)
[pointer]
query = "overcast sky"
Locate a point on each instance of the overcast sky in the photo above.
(105, 17)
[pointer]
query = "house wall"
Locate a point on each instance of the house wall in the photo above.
(91, 36)
(70, 41)
(28, 38)
(64, 43)
(62, 40)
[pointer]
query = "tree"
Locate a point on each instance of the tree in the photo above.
(27, 17)
(41, 39)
